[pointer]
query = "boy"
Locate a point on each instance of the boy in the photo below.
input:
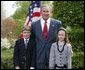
(24, 51)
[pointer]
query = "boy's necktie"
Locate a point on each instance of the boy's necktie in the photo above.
(26, 43)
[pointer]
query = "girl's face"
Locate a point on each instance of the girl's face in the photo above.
(61, 35)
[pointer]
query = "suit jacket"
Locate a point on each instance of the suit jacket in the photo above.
(23, 55)
(42, 45)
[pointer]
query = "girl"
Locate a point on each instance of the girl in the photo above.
(61, 52)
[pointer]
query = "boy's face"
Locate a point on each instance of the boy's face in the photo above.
(26, 34)
(61, 35)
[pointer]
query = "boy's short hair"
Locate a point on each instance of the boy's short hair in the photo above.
(27, 28)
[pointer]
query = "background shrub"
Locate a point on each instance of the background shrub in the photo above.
(71, 13)
(7, 58)
(78, 60)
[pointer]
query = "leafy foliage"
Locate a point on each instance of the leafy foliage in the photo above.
(9, 28)
(71, 13)
(20, 14)
(76, 37)
(22, 10)
(19, 28)
(78, 60)
(7, 59)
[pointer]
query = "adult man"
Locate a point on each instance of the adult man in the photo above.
(44, 31)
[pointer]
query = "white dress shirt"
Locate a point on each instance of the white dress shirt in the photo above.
(25, 40)
(43, 21)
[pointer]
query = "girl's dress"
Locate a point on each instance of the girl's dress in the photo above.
(60, 56)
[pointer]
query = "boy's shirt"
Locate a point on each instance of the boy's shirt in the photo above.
(25, 40)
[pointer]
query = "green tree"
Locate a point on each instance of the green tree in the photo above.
(69, 12)
(22, 10)
(20, 14)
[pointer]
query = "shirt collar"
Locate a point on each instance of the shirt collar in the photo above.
(48, 20)
(25, 39)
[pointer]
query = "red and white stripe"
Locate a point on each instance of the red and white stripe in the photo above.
(36, 16)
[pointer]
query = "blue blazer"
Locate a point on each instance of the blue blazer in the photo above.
(42, 45)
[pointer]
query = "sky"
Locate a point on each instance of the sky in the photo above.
(9, 8)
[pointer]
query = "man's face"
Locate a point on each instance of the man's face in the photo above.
(45, 12)
(26, 34)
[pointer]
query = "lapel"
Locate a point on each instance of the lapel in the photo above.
(39, 31)
(40, 28)
(23, 44)
(51, 29)
(29, 43)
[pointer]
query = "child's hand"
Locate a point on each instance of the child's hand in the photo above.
(32, 68)
(17, 67)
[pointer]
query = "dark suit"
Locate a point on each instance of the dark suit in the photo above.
(42, 45)
(23, 56)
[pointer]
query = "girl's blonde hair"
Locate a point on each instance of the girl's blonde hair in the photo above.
(66, 35)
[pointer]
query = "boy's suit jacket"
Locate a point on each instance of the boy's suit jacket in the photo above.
(20, 53)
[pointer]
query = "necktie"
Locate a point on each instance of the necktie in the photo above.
(45, 30)
(26, 43)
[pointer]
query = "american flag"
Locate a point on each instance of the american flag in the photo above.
(33, 13)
